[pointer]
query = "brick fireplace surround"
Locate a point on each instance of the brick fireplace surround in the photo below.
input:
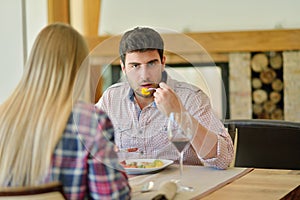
(234, 48)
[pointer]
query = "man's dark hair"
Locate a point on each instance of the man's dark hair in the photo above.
(141, 39)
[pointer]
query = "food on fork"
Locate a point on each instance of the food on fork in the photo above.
(145, 91)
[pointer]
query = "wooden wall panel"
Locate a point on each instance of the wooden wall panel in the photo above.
(58, 11)
(91, 12)
(249, 41)
(217, 44)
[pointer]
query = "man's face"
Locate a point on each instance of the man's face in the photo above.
(143, 69)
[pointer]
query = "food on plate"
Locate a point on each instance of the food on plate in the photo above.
(145, 91)
(132, 149)
(154, 164)
(127, 150)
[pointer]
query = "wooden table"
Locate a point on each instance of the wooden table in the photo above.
(259, 184)
(234, 183)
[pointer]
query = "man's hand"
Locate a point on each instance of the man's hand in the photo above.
(166, 100)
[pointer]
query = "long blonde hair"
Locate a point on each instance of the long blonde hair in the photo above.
(34, 117)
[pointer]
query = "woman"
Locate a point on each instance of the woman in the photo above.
(49, 131)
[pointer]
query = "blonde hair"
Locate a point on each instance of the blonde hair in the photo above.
(34, 117)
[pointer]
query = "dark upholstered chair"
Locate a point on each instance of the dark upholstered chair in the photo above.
(49, 191)
(271, 144)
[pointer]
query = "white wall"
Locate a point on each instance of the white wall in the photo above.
(11, 39)
(209, 79)
(36, 19)
(198, 15)
(11, 46)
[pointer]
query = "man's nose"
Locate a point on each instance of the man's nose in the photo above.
(144, 72)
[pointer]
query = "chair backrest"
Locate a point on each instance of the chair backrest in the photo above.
(266, 143)
(47, 191)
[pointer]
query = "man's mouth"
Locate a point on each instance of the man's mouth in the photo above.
(146, 85)
(149, 85)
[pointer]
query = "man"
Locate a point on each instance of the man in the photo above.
(140, 106)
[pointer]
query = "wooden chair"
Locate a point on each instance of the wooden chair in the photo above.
(49, 191)
(271, 144)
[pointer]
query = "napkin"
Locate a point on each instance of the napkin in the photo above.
(166, 191)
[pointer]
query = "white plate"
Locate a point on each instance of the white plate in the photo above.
(146, 170)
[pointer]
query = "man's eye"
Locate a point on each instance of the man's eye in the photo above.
(152, 64)
(134, 66)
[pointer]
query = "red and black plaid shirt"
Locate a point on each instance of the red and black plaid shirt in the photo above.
(84, 159)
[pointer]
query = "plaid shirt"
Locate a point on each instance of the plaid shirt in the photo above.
(147, 128)
(84, 159)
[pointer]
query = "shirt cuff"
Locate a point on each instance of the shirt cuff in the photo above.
(222, 159)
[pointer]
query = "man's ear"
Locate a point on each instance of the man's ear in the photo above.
(163, 62)
(122, 66)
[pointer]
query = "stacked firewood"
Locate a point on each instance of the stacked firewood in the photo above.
(267, 85)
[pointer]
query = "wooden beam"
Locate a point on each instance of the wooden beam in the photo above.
(58, 11)
(94, 41)
(172, 58)
(216, 44)
(91, 14)
(249, 41)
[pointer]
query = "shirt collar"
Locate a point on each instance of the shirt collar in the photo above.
(131, 95)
